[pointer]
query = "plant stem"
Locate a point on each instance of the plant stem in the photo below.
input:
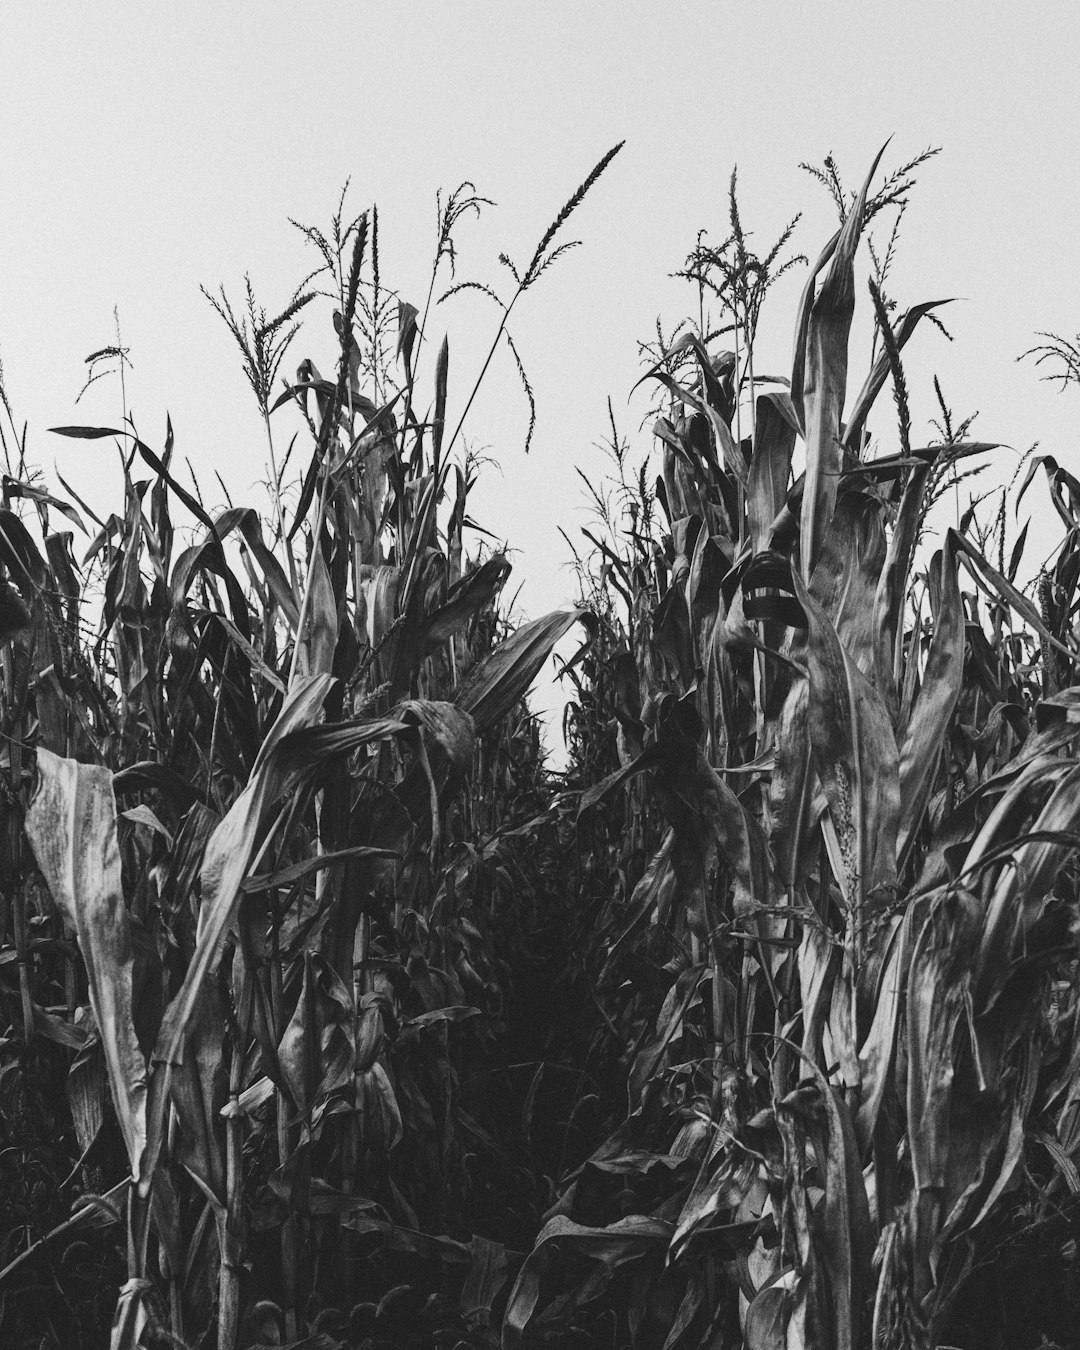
(277, 500)
(483, 371)
(231, 1229)
(284, 1130)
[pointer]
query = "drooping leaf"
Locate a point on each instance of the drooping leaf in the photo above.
(902, 331)
(1023, 885)
(14, 487)
(992, 582)
(467, 598)
(627, 1240)
(246, 521)
(407, 329)
(450, 728)
(433, 1247)
(71, 825)
(20, 555)
(723, 1179)
(289, 876)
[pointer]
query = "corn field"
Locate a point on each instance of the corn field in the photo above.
(334, 1017)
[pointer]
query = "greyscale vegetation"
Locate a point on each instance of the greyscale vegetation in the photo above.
(333, 1017)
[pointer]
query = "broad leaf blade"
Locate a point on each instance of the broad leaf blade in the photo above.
(770, 465)
(825, 381)
(496, 682)
(71, 825)
(924, 735)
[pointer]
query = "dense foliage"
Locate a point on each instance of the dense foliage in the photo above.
(333, 1018)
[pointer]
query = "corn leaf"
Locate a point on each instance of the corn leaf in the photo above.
(466, 599)
(847, 572)
(497, 681)
(878, 375)
(71, 825)
(924, 735)
(320, 634)
(627, 1240)
(825, 381)
(770, 465)
(856, 760)
(1023, 885)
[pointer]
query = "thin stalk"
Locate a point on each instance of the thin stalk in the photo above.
(284, 1129)
(278, 511)
(22, 958)
(753, 401)
(305, 603)
(411, 372)
(214, 728)
(15, 845)
(130, 1314)
(740, 494)
(231, 1230)
(738, 400)
(360, 982)
(718, 1018)
(483, 370)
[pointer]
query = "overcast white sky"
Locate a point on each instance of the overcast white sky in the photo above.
(145, 149)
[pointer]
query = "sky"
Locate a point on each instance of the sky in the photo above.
(147, 150)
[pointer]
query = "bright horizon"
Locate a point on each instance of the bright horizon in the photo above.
(147, 152)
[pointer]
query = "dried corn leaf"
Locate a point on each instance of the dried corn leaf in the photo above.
(71, 825)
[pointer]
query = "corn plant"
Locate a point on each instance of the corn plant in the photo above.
(842, 983)
(255, 812)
